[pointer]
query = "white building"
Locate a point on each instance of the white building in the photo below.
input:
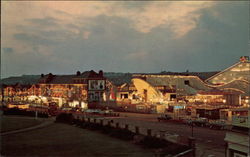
(238, 138)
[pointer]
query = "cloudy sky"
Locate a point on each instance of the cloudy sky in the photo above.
(63, 37)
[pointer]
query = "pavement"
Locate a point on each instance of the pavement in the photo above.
(203, 150)
(47, 122)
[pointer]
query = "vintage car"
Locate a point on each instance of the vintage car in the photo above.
(200, 122)
(218, 124)
(164, 117)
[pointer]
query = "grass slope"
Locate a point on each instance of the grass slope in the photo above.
(65, 140)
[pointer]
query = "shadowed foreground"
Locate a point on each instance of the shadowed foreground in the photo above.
(66, 140)
(10, 123)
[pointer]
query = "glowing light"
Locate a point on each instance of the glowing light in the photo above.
(240, 69)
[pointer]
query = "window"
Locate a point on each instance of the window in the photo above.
(172, 96)
(133, 97)
(186, 82)
(124, 96)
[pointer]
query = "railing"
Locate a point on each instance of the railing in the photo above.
(171, 137)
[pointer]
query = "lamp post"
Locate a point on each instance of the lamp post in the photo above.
(191, 140)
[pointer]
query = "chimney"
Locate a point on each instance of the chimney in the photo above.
(78, 73)
(101, 73)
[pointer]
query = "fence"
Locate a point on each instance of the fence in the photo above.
(142, 131)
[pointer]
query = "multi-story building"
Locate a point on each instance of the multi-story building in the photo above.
(82, 89)
(16, 92)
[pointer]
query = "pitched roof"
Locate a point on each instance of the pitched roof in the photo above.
(183, 84)
(68, 79)
(240, 85)
(239, 69)
(119, 78)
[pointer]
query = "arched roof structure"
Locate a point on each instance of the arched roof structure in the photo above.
(141, 85)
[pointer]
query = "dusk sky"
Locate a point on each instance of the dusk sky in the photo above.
(64, 37)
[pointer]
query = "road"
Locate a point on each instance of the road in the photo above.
(208, 142)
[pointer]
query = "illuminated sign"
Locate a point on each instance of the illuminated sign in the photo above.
(244, 58)
(96, 84)
(179, 107)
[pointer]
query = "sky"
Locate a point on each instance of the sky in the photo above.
(122, 36)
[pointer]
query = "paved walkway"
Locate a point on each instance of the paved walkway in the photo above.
(205, 150)
(46, 123)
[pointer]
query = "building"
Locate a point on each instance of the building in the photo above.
(230, 87)
(16, 93)
(234, 78)
(238, 71)
(238, 138)
(84, 90)
(164, 88)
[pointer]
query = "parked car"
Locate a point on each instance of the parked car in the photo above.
(200, 122)
(188, 121)
(218, 124)
(164, 117)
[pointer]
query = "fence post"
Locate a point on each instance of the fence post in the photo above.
(101, 122)
(117, 125)
(94, 120)
(191, 143)
(149, 132)
(89, 120)
(162, 134)
(137, 130)
(126, 126)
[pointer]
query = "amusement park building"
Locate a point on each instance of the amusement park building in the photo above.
(230, 85)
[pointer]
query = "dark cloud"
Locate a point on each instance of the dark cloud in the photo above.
(33, 39)
(220, 40)
(136, 5)
(112, 44)
(44, 22)
(7, 50)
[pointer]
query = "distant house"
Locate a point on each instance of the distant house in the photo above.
(16, 93)
(82, 89)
